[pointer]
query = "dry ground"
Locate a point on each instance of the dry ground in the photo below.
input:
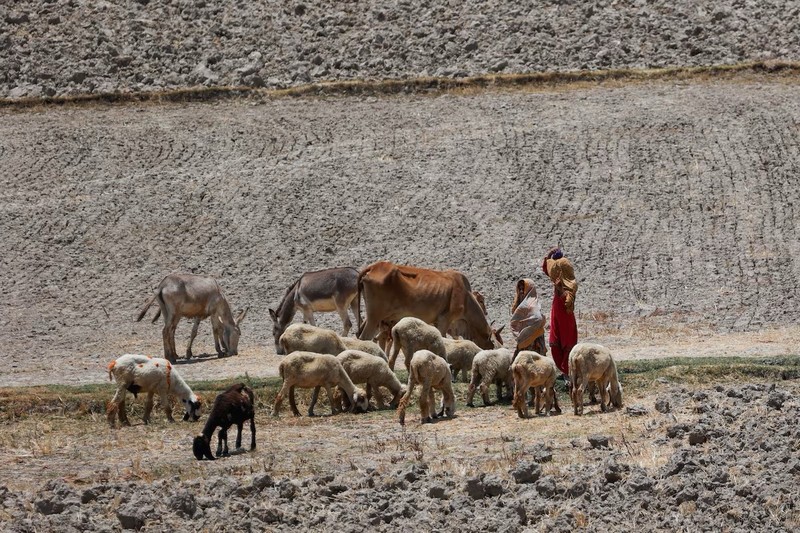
(675, 200)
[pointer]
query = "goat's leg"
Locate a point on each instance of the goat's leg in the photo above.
(223, 442)
(195, 327)
(253, 432)
(239, 434)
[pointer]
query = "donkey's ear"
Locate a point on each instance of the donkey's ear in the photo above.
(273, 315)
(241, 316)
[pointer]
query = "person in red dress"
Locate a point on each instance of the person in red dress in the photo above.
(563, 328)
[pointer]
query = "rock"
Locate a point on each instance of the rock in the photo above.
(474, 488)
(438, 492)
(500, 65)
(687, 494)
(777, 399)
(546, 486)
(614, 471)
(264, 480)
(55, 498)
(636, 410)
(471, 46)
(526, 472)
(17, 18)
(638, 482)
(287, 489)
(698, 435)
(543, 456)
(134, 515)
(183, 503)
(662, 405)
(598, 441)
(492, 486)
(677, 430)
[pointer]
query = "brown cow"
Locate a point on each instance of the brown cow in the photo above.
(439, 297)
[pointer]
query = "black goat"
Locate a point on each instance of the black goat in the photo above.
(234, 406)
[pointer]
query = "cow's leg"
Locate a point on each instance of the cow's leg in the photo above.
(371, 327)
(191, 337)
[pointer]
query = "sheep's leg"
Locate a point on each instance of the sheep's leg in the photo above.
(593, 392)
(253, 432)
(195, 327)
(285, 388)
(165, 403)
(378, 396)
(432, 404)
(499, 387)
(424, 398)
(395, 351)
(604, 399)
(293, 402)
(555, 399)
(122, 413)
(473, 385)
(148, 408)
(314, 397)
(329, 391)
(117, 406)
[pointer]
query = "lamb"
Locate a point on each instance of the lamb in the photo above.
(411, 335)
(432, 372)
(307, 370)
(531, 369)
(352, 343)
(142, 373)
(490, 366)
(367, 368)
(234, 406)
(593, 362)
(460, 354)
(307, 338)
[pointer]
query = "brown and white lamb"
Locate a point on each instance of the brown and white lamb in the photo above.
(593, 362)
(433, 373)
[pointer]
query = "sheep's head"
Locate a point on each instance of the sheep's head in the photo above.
(191, 408)
(202, 448)
(360, 402)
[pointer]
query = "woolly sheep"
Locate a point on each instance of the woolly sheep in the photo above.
(432, 372)
(411, 335)
(315, 370)
(367, 368)
(308, 338)
(531, 369)
(352, 343)
(593, 362)
(233, 406)
(142, 373)
(490, 366)
(460, 354)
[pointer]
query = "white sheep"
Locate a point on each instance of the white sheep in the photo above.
(531, 369)
(363, 367)
(352, 343)
(315, 370)
(142, 373)
(593, 362)
(308, 338)
(432, 372)
(490, 366)
(460, 353)
(411, 335)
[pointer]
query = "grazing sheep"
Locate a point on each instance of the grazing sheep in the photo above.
(460, 353)
(315, 370)
(411, 335)
(234, 406)
(432, 372)
(531, 369)
(593, 362)
(363, 367)
(490, 366)
(307, 338)
(352, 343)
(142, 373)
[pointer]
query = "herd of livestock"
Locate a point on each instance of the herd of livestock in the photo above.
(408, 309)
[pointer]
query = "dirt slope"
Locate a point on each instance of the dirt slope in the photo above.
(676, 201)
(86, 46)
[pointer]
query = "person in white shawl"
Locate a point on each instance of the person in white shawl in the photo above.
(527, 321)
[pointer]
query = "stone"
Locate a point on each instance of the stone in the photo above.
(698, 435)
(183, 503)
(526, 472)
(133, 515)
(662, 405)
(598, 441)
(264, 480)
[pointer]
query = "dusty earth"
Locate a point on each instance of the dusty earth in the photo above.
(67, 47)
(676, 202)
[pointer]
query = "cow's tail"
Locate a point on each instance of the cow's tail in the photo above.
(359, 290)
